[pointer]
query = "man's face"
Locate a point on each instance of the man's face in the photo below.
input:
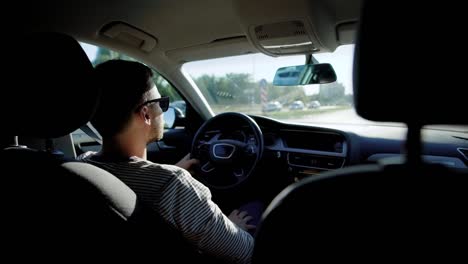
(156, 115)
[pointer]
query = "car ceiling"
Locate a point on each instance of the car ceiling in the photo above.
(186, 29)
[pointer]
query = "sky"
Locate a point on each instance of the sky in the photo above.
(90, 50)
(261, 66)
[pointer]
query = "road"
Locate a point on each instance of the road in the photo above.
(346, 116)
(349, 116)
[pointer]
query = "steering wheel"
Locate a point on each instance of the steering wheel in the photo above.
(229, 145)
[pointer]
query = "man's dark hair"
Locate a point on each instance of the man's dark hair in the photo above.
(123, 85)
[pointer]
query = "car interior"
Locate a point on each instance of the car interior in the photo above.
(377, 169)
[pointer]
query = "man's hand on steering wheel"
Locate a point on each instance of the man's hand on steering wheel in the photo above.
(187, 163)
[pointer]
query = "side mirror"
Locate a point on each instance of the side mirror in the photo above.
(305, 74)
(169, 118)
(172, 117)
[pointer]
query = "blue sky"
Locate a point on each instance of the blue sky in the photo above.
(90, 50)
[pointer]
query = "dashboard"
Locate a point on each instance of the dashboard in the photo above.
(318, 150)
(306, 150)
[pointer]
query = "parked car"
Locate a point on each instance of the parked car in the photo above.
(272, 107)
(314, 105)
(296, 105)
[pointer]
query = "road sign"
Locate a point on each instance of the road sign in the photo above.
(263, 91)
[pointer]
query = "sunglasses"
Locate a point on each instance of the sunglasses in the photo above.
(163, 103)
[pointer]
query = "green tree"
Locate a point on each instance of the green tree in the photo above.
(165, 88)
(332, 94)
(229, 89)
(104, 54)
(207, 85)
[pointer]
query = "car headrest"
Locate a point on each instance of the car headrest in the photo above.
(406, 63)
(49, 90)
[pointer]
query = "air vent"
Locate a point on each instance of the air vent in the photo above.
(280, 30)
(314, 161)
(464, 152)
(299, 32)
(300, 29)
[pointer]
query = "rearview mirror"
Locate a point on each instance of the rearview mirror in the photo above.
(304, 74)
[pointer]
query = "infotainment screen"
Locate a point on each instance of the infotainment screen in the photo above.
(320, 141)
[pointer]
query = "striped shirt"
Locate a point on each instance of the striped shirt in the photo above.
(184, 203)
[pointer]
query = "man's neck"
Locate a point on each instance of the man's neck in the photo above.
(123, 146)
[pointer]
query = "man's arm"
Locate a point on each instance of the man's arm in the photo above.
(187, 204)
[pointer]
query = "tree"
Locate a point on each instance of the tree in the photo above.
(103, 55)
(229, 89)
(165, 88)
(207, 85)
(332, 93)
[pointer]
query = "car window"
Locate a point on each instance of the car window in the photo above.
(98, 55)
(245, 84)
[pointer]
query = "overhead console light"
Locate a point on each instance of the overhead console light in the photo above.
(130, 36)
(287, 46)
(284, 38)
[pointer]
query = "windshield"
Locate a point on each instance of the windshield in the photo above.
(244, 84)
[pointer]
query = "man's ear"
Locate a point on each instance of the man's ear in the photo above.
(144, 115)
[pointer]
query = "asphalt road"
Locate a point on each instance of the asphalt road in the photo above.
(349, 116)
(346, 116)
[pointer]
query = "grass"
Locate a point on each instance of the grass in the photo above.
(307, 112)
(283, 114)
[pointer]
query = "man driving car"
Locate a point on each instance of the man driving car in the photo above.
(130, 116)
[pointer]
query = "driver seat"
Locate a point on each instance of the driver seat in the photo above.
(56, 209)
(393, 211)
